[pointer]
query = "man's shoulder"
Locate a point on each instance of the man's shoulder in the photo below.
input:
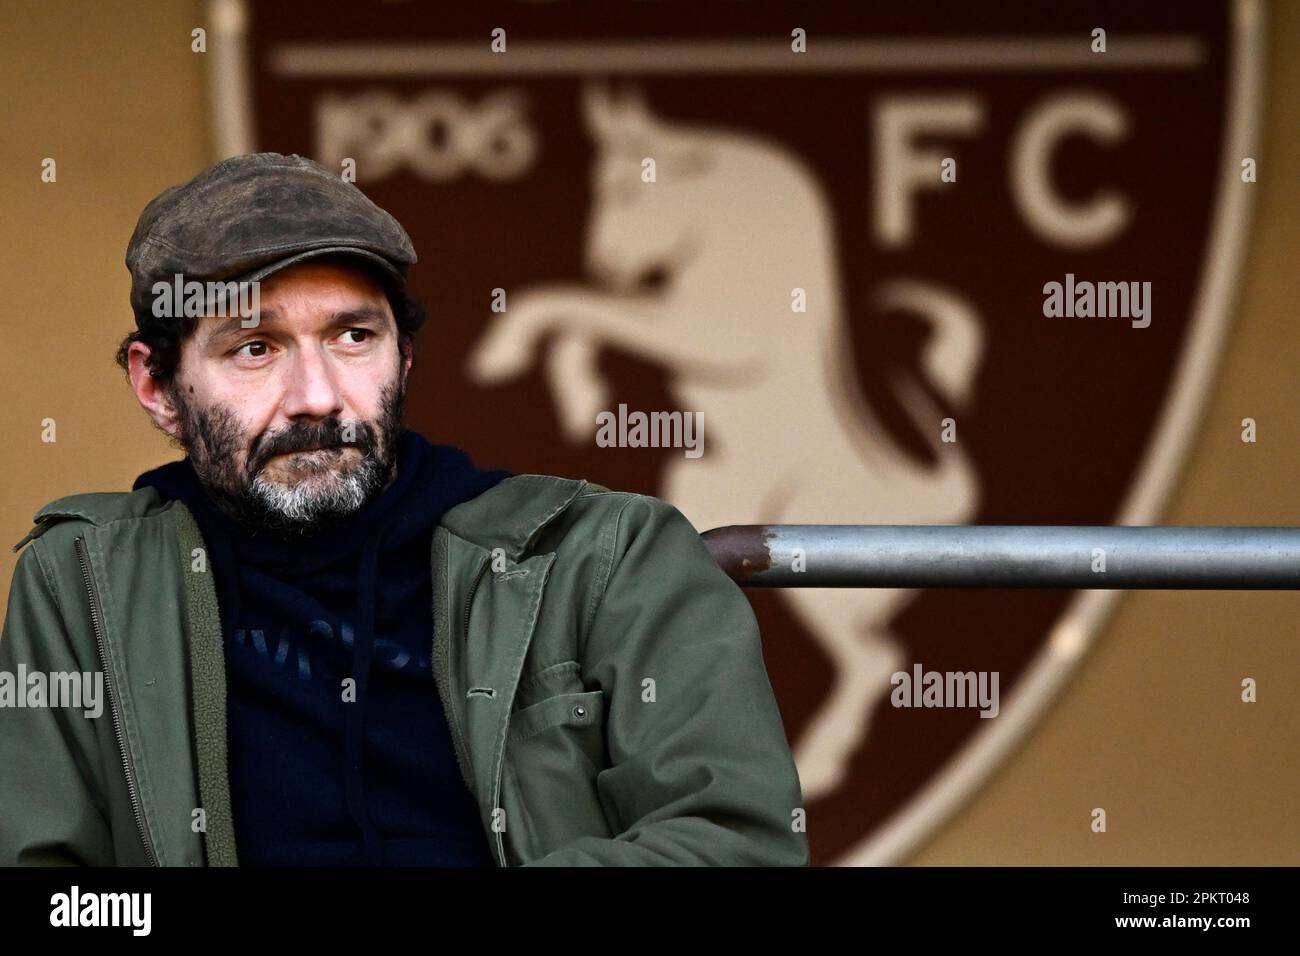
(523, 511)
(97, 508)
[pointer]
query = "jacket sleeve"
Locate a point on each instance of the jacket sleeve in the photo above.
(701, 772)
(49, 812)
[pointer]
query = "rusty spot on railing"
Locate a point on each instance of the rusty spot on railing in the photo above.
(741, 550)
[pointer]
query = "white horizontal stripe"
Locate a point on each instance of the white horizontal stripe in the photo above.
(994, 54)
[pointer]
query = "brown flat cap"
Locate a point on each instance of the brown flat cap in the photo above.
(252, 215)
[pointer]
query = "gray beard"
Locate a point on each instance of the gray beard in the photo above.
(212, 437)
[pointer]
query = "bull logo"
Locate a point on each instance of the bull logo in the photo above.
(719, 325)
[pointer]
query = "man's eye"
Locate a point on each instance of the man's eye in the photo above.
(254, 344)
(363, 332)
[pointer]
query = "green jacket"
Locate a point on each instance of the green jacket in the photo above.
(602, 677)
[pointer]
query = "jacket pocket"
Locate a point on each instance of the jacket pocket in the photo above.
(555, 749)
(580, 710)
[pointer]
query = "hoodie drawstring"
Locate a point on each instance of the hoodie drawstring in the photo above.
(354, 732)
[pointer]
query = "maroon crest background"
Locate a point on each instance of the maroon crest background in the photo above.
(488, 160)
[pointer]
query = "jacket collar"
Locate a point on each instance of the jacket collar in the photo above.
(511, 514)
(96, 507)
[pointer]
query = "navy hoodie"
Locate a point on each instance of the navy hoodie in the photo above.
(316, 779)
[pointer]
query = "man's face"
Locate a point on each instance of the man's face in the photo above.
(295, 420)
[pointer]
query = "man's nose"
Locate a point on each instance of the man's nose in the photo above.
(313, 389)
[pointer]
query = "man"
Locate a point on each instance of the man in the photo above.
(326, 641)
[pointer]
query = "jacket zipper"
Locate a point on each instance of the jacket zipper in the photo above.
(97, 626)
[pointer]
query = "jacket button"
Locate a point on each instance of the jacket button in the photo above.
(579, 711)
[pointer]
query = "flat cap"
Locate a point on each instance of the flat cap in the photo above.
(252, 215)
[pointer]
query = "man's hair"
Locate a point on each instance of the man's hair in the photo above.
(165, 335)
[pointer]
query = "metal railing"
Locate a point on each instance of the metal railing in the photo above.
(1008, 556)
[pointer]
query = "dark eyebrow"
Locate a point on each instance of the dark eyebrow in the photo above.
(360, 314)
(233, 326)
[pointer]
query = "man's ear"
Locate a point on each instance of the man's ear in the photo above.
(408, 355)
(153, 394)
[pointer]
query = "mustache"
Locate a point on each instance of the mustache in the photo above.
(328, 434)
